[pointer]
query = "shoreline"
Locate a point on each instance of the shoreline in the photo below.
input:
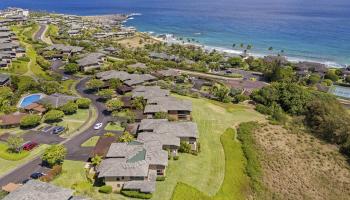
(170, 38)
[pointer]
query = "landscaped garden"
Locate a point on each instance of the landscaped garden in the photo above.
(7, 165)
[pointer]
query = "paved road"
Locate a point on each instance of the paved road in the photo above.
(38, 35)
(73, 145)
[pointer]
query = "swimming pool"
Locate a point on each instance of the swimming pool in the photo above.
(29, 100)
(340, 91)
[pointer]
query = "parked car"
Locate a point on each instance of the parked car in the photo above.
(57, 130)
(98, 126)
(37, 175)
(29, 146)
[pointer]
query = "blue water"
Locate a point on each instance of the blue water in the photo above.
(306, 29)
(29, 100)
(341, 91)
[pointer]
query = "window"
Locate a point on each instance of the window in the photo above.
(118, 179)
(118, 185)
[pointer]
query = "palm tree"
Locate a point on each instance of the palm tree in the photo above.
(249, 46)
(233, 45)
(241, 45)
(270, 48)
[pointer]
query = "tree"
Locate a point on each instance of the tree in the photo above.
(96, 160)
(44, 64)
(69, 108)
(95, 84)
(347, 78)
(114, 104)
(114, 83)
(184, 147)
(30, 121)
(235, 61)
(332, 76)
(138, 103)
(71, 68)
(221, 92)
(161, 115)
(54, 155)
(106, 94)
(126, 137)
(53, 116)
(50, 87)
(270, 48)
(6, 95)
(83, 103)
(313, 79)
(15, 143)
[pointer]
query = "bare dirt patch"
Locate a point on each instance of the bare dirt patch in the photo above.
(300, 166)
(139, 40)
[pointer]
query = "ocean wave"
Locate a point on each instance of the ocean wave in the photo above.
(170, 38)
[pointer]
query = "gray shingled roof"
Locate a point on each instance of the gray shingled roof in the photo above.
(128, 79)
(164, 139)
(90, 59)
(65, 48)
(113, 167)
(165, 104)
(132, 159)
(4, 77)
(163, 126)
(37, 190)
(148, 92)
(56, 100)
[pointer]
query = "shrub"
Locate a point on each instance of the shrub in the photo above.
(44, 64)
(105, 189)
(30, 121)
(263, 109)
(184, 147)
(136, 194)
(54, 155)
(69, 108)
(53, 116)
(83, 103)
(161, 115)
(176, 157)
(160, 178)
(71, 68)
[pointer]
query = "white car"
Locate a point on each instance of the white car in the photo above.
(98, 126)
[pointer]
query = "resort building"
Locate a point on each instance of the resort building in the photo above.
(62, 50)
(4, 80)
(128, 79)
(11, 120)
(167, 132)
(134, 165)
(91, 61)
(175, 108)
(148, 92)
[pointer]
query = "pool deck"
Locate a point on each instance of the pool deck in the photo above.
(28, 95)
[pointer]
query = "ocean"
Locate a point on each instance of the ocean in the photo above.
(315, 30)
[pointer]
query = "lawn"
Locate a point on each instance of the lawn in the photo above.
(91, 142)
(235, 181)
(74, 122)
(206, 171)
(7, 155)
(7, 165)
(114, 127)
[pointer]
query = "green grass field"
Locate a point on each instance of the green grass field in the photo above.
(114, 127)
(91, 142)
(7, 155)
(7, 165)
(74, 122)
